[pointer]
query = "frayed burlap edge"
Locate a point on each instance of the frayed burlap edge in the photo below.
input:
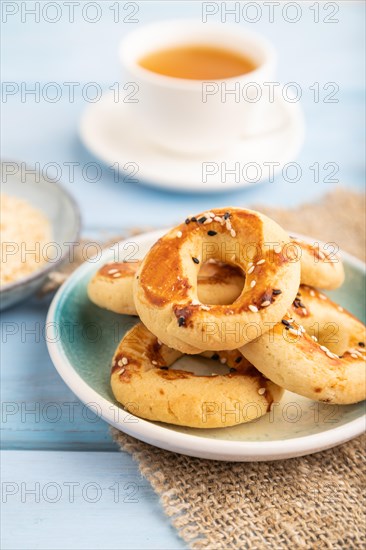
(313, 502)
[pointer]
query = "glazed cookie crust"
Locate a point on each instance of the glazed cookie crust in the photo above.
(143, 382)
(318, 351)
(165, 288)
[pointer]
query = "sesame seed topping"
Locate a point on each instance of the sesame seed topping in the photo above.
(361, 344)
(154, 362)
(226, 215)
(179, 234)
(253, 308)
(286, 323)
(209, 220)
(202, 220)
(193, 219)
(354, 356)
(266, 303)
(120, 363)
(196, 260)
(111, 271)
(206, 308)
(233, 232)
(181, 321)
(121, 371)
(331, 355)
(187, 221)
(124, 360)
(314, 338)
(262, 391)
(159, 342)
(215, 356)
(312, 293)
(223, 360)
(218, 219)
(253, 283)
(322, 297)
(238, 359)
(211, 233)
(294, 331)
(250, 270)
(260, 262)
(228, 225)
(323, 348)
(276, 291)
(117, 275)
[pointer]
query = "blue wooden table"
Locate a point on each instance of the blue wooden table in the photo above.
(64, 484)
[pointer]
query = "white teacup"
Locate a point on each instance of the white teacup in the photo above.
(194, 116)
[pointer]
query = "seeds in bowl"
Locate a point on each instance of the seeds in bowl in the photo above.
(24, 233)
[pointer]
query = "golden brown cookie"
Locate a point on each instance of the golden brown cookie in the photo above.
(165, 289)
(144, 383)
(318, 351)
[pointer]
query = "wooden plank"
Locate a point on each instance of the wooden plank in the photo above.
(77, 501)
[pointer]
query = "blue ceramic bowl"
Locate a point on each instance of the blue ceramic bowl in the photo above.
(63, 215)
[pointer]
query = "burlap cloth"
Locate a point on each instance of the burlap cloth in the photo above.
(309, 502)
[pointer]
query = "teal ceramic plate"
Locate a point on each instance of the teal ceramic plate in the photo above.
(82, 339)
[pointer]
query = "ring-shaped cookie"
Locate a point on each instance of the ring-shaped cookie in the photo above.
(165, 289)
(320, 267)
(318, 351)
(142, 381)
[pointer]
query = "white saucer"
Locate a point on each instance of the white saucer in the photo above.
(107, 129)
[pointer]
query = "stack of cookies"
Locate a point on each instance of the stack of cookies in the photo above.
(230, 285)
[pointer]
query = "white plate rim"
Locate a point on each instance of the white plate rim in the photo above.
(169, 439)
(164, 181)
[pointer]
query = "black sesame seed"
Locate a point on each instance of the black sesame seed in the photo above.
(164, 368)
(202, 220)
(298, 294)
(226, 215)
(232, 370)
(296, 303)
(193, 219)
(196, 260)
(187, 221)
(301, 304)
(361, 344)
(238, 359)
(276, 291)
(215, 356)
(286, 323)
(211, 233)
(181, 321)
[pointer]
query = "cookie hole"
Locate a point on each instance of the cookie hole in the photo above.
(220, 283)
(200, 366)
